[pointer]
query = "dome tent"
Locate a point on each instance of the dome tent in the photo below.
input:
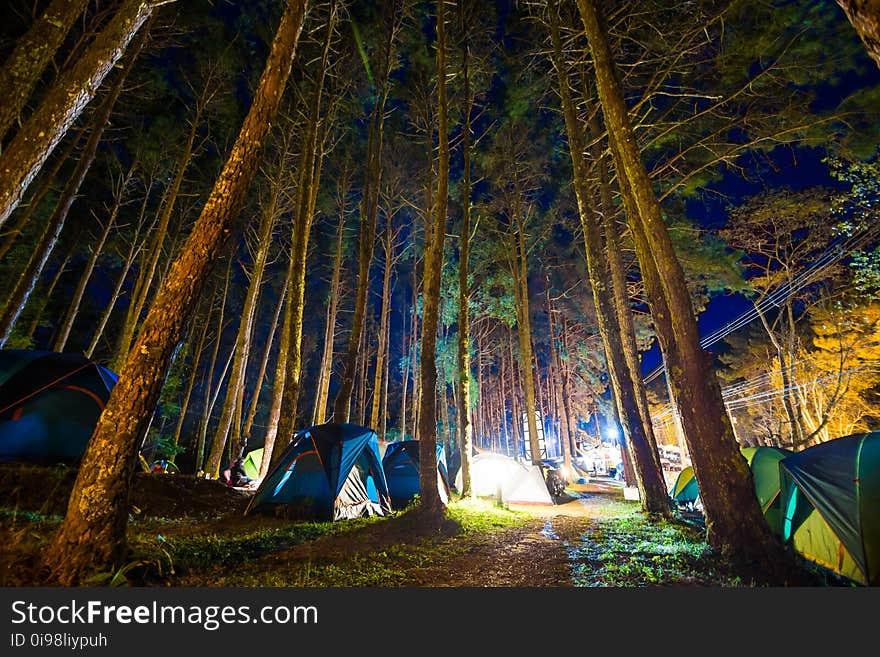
(49, 404)
(328, 472)
(519, 483)
(401, 466)
(831, 505)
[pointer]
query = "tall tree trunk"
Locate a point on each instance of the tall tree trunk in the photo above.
(92, 534)
(320, 412)
(261, 376)
(97, 249)
(733, 516)
(524, 331)
(307, 190)
(16, 301)
(385, 312)
(435, 233)
(649, 478)
(243, 339)
(865, 18)
(369, 207)
(32, 52)
(193, 372)
(37, 138)
(147, 273)
(210, 394)
(270, 454)
(26, 212)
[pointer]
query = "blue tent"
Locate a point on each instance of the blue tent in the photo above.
(401, 466)
(328, 472)
(49, 404)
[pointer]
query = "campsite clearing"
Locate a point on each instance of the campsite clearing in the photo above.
(187, 532)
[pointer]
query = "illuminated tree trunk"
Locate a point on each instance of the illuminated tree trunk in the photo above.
(865, 18)
(385, 312)
(92, 534)
(47, 293)
(369, 208)
(32, 52)
(18, 298)
(243, 339)
(652, 487)
(193, 372)
(26, 211)
(326, 368)
(435, 233)
(309, 180)
(733, 517)
(41, 133)
(147, 273)
(264, 364)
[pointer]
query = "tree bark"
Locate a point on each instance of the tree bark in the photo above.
(92, 534)
(25, 284)
(307, 189)
(32, 52)
(733, 517)
(37, 138)
(435, 233)
(243, 338)
(367, 236)
(320, 412)
(865, 18)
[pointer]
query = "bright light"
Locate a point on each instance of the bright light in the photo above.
(612, 433)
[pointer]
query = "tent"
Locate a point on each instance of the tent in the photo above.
(684, 491)
(251, 463)
(328, 472)
(764, 462)
(519, 483)
(831, 505)
(401, 466)
(49, 404)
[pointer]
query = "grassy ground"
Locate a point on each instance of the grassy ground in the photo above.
(184, 533)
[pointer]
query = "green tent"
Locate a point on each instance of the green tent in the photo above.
(684, 490)
(764, 462)
(251, 463)
(831, 502)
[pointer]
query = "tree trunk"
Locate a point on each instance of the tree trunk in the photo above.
(191, 382)
(367, 236)
(31, 274)
(261, 376)
(92, 534)
(326, 370)
(652, 487)
(385, 312)
(27, 210)
(97, 249)
(32, 52)
(37, 138)
(435, 233)
(865, 18)
(47, 293)
(733, 517)
(309, 180)
(147, 273)
(243, 339)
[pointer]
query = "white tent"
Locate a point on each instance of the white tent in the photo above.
(520, 483)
